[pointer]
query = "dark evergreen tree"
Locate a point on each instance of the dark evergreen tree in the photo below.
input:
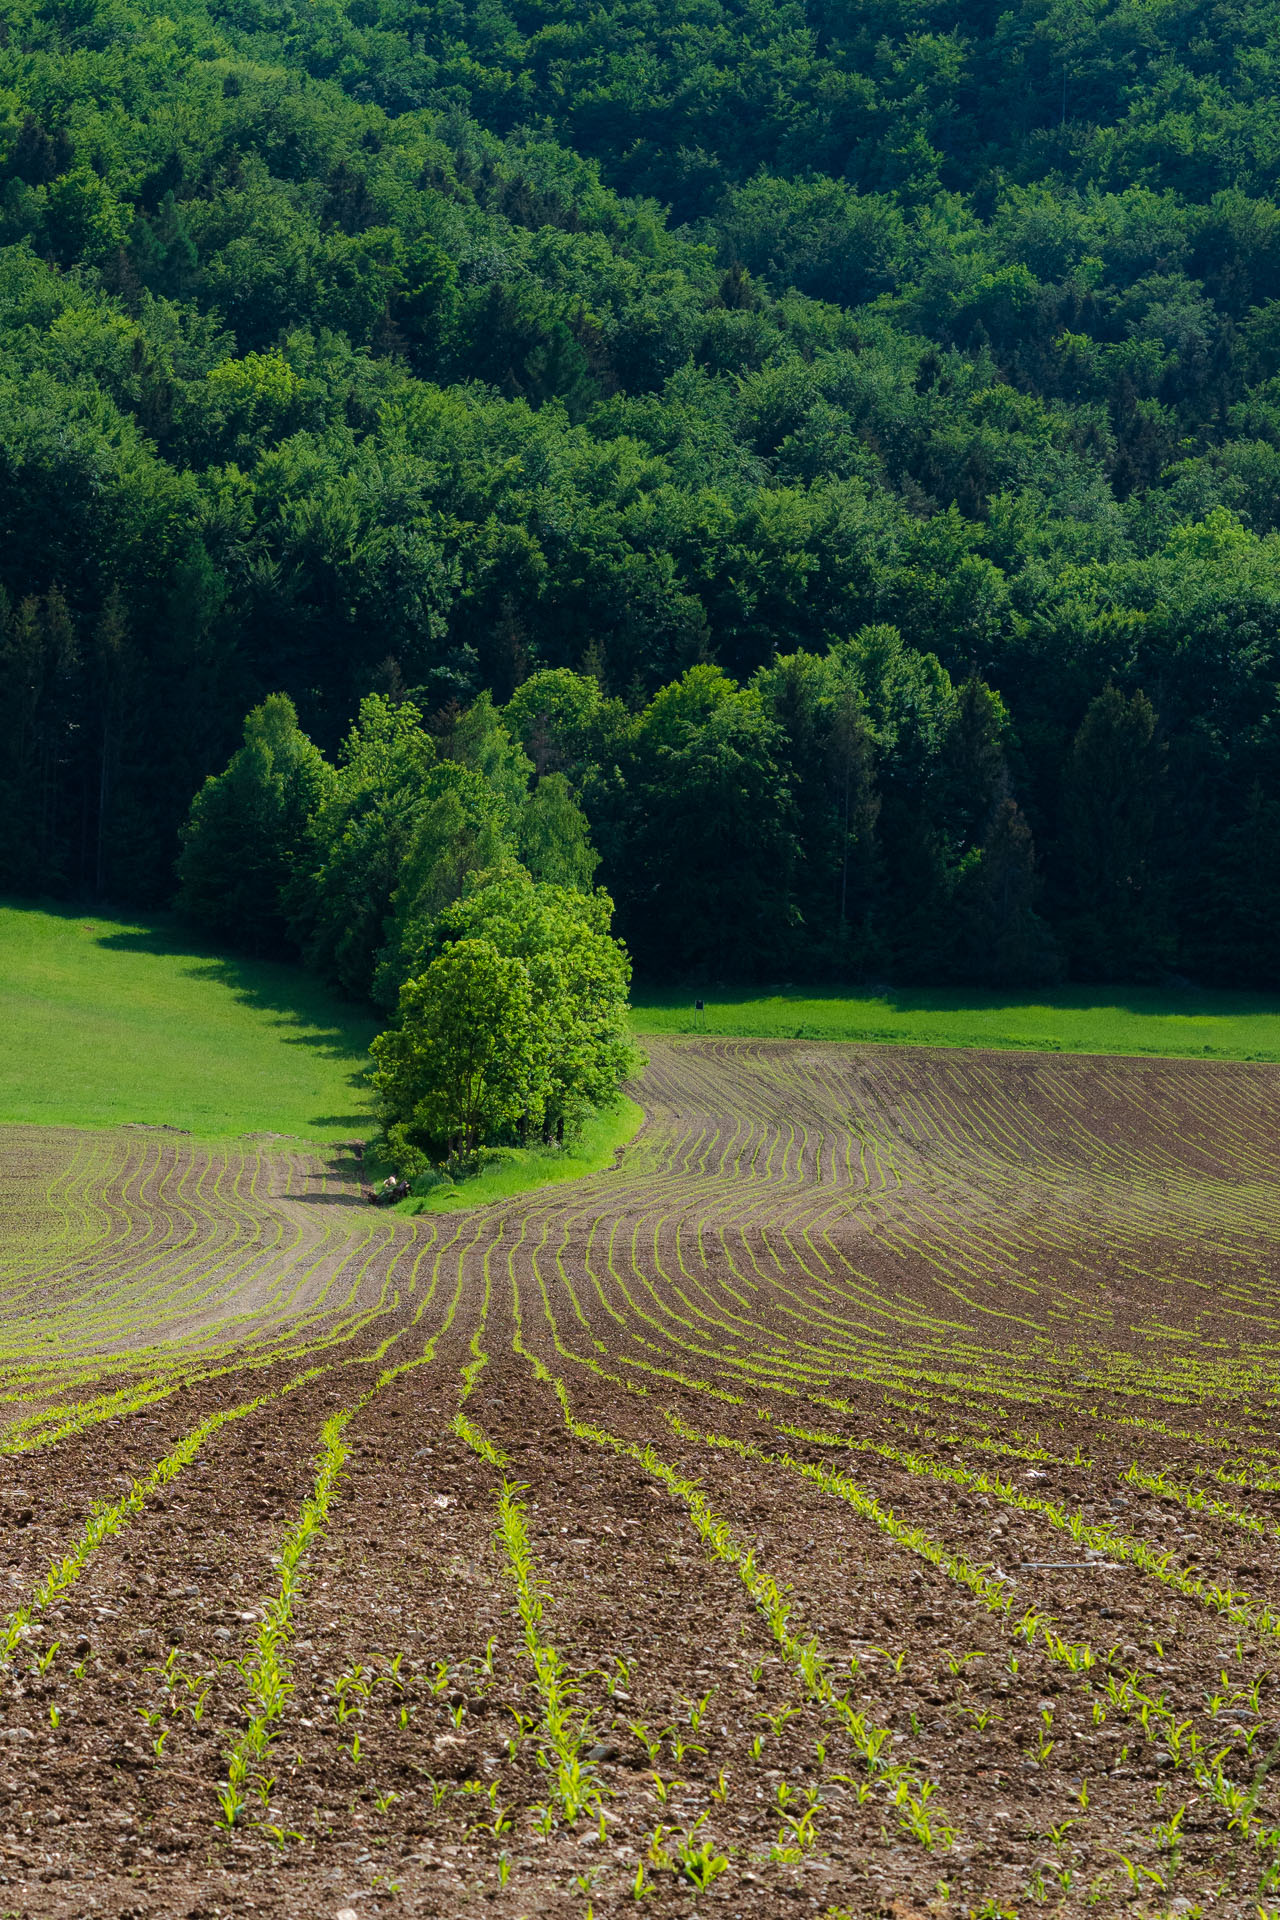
(249, 829)
(1113, 789)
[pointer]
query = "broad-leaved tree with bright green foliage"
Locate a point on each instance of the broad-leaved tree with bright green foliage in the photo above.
(465, 1058)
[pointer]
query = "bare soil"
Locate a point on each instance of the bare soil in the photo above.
(974, 1355)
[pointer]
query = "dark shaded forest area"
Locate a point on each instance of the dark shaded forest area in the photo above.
(874, 408)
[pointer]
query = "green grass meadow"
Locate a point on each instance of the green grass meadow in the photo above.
(104, 1021)
(1124, 1020)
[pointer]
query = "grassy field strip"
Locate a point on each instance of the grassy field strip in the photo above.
(104, 1521)
(175, 1033)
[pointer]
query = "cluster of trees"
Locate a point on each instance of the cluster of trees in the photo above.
(717, 362)
(424, 873)
(848, 814)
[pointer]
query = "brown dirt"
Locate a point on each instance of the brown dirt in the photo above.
(903, 1271)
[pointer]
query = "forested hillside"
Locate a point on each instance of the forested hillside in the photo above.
(875, 408)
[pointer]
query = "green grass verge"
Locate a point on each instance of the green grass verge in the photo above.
(514, 1170)
(104, 1021)
(1125, 1020)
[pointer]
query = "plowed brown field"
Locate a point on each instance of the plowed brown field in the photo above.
(864, 1499)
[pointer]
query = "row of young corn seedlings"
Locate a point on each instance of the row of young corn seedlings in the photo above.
(54, 1424)
(1093, 1535)
(1196, 1501)
(1123, 1692)
(169, 1252)
(164, 1370)
(269, 1245)
(267, 1667)
(1207, 1767)
(563, 1734)
(682, 1843)
(903, 1787)
(1109, 1538)
(575, 1784)
(108, 1519)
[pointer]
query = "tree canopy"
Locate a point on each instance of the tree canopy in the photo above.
(858, 356)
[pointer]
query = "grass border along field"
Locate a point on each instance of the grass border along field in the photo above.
(1187, 1021)
(513, 1170)
(106, 1020)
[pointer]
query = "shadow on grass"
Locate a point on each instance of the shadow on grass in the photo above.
(1184, 1002)
(290, 997)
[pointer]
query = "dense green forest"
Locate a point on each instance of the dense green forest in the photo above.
(843, 441)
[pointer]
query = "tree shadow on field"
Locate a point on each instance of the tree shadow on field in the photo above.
(303, 1012)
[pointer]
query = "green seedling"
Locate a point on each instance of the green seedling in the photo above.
(777, 1721)
(620, 1677)
(280, 1836)
(231, 1804)
(698, 1862)
(957, 1663)
(697, 1710)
